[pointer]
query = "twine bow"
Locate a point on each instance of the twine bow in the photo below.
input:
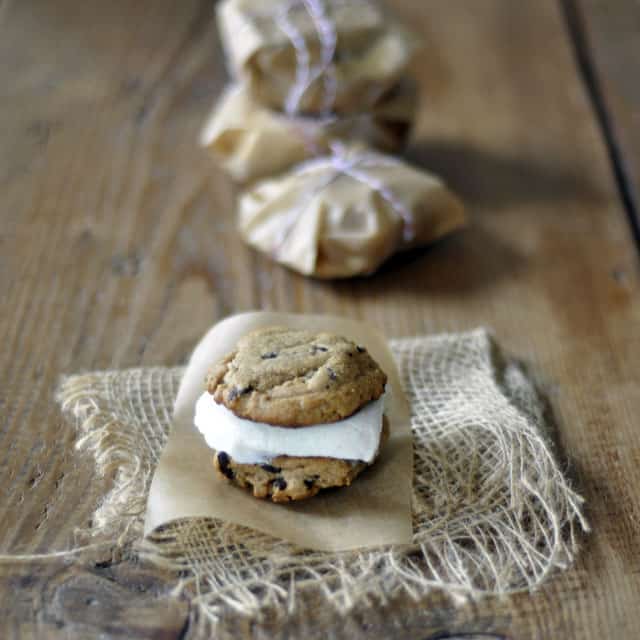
(354, 164)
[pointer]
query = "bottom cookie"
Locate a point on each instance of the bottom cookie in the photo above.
(288, 478)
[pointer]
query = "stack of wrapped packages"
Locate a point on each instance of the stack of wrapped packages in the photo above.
(320, 96)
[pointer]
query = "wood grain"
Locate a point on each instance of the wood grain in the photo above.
(117, 248)
(609, 44)
(108, 600)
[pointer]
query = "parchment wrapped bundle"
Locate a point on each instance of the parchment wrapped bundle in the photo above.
(313, 56)
(344, 214)
(251, 141)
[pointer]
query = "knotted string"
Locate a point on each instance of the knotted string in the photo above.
(306, 74)
(343, 162)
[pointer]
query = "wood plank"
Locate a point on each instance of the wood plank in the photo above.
(55, 600)
(609, 47)
(117, 249)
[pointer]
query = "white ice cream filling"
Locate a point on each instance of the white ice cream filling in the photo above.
(354, 438)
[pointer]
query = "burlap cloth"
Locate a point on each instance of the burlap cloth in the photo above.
(492, 511)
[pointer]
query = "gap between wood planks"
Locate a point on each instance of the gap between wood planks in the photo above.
(587, 69)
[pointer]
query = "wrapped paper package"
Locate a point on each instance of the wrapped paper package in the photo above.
(252, 141)
(344, 214)
(314, 56)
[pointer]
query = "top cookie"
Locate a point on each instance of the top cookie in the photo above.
(292, 378)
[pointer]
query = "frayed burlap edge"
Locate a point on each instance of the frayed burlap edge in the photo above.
(492, 511)
(122, 419)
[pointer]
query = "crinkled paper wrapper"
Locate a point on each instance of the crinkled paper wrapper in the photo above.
(252, 141)
(374, 510)
(491, 509)
(372, 53)
(323, 221)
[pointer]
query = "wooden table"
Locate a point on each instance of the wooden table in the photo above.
(117, 249)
